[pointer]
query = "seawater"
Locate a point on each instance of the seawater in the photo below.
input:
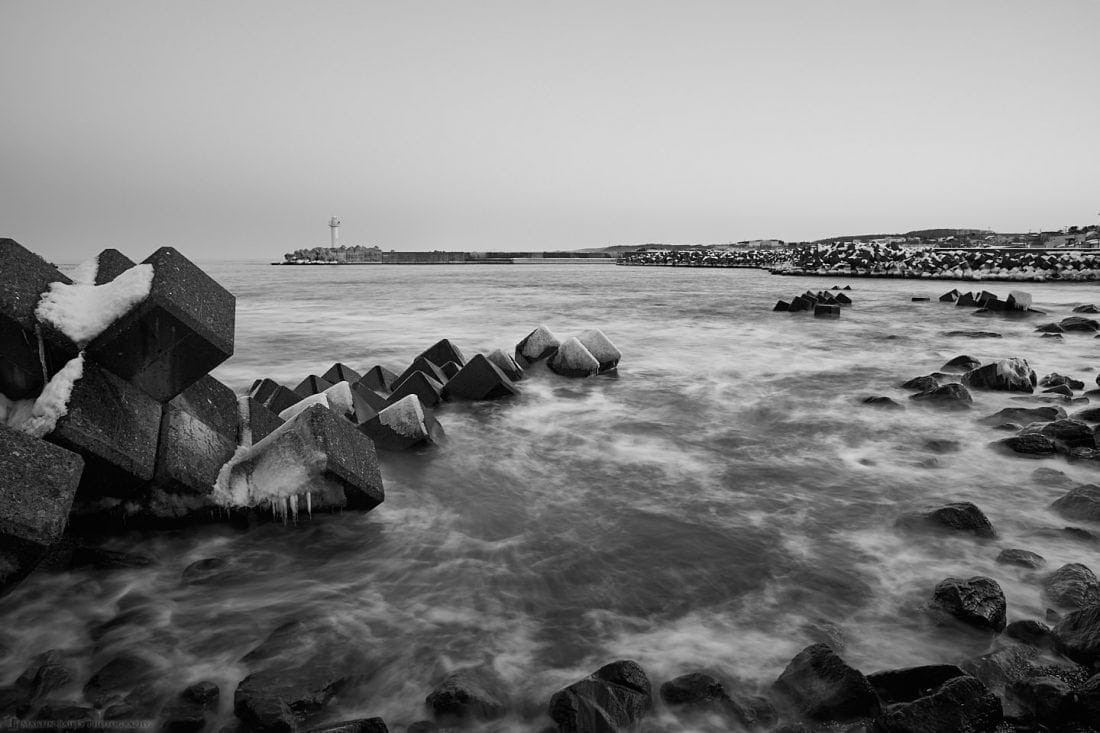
(719, 503)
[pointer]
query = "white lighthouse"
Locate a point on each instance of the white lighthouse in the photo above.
(334, 229)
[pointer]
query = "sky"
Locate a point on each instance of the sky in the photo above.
(234, 130)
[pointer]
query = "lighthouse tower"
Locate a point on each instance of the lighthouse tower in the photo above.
(334, 229)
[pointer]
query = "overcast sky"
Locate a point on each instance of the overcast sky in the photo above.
(236, 129)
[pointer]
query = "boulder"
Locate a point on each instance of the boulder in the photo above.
(1089, 414)
(177, 334)
(505, 363)
(1077, 635)
(443, 351)
(1052, 329)
(1024, 415)
(1029, 445)
(1043, 699)
(24, 277)
(822, 687)
(1002, 666)
(601, 348)
(1080, 324)
(921, 384)
(1054, 379)
(479, 379)
(615, 697)
(573, 360)
(402, 425)
(341, 373)
(822, 310)
(960, 517)
(882, 401)
(379, 378)
(117, 678)
(1022, 558)
(905, 685)
(536, 346)
(1089, 308)
(1082, 503)
(310, 386)
(961, 704)
(1029, 631)
(273, 395)
(701, 692)
(187, 712)
(467, 696)
(1070, 433)
(428, 389)
(1007, 375)
(961, 363)
(977, 602)
(950, 396)
(1072, 586)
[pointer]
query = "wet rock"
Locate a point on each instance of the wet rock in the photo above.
(1006, 375)
(1018, 300)
(402, 426)
(1089, 414)
(505, 363)
(822, 687)
(1081, 503)
(118, 677)
(601, 348)
(908, 684)
(443, 351)
(536, 346)
(1029, 631)
(67, 713)
(1085, 702)
(1052, 336)
(572, 359)
(1077, 635)
(202, 570)
(1050, 477)
(1072, 586)
(961, 363)
(1051, 328)
(1088, 308)
(366, 725)
(974, 334)
(188, 712)
(469, 695)
(948, 397)
(1071, 433)
(1059, 390)
(479, 379)
(341, 373)
(1041, 698)
(426, 388)
(883, 402)
(962, 517)
(1054, 379)
(1031, 445)
(977, 602)
(1023, 558)
(921, 384)
(1080, 324)
(379, 378)
(617, 696)
(1001, 667)
(962, 704)
(701, 692)
(824, 310)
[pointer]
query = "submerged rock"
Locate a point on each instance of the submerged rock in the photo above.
(701, 692)
(883, 402)
(822, 687)
(1072, 586)
(948, 397)
(961, 704)
(1023, 558)
(1082, 503)
(1024, 415)
(615, 697)
(908, 684)
(958, 517)
(1077, 635)
(469, 695)
(977, 602)
(1031, 445)
(961, 363)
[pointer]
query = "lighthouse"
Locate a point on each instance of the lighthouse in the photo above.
(334, 229)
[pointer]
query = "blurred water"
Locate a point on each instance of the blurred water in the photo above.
(708, 507)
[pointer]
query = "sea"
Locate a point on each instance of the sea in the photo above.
(721, 501)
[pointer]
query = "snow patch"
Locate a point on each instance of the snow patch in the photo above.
(600, 346)
(38, 417)
(83, 310)
(337, 398)
(405, 417)
(573, 355)
(537, 342)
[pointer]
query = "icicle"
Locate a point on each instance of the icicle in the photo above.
(245, 421)
(292, 501)
(41, 352)
(309, 504)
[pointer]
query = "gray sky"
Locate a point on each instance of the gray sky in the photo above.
(236, 129)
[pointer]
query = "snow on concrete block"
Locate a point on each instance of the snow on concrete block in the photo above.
(1018, 300)
(368, 403)
(311, 385)
(537, 345)
(337, 398)
(115, 427)
(427, 388)
(341, 373)
(426, 365)
(273, 395)
(198, 434)
(600, 346)
(480, 379)
(403, 425)
(573, 360)
(379, 378)
(443, 351)
(176, 335)
(506, 364)
(24, 277)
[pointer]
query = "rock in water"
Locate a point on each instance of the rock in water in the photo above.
(1082, 502)
(1077, 635)
(402, 425)
(905, 685)
(961, 705)
(479, 379)
(600, 347)
(1022, 558)
(824, 688)
(467, 696)
(536, 346)
(921, 384)
(1019, 300)
(957, 517)
(1080, 324)
(949, 396)
(1006, 375)
(978, 602)
(701, 692)
(1029, 445)
(781, 306)
(1024, 415)
(823, 310)
(961, 363)
(1072, 586)
(505, 364)
(1070, 433)
(950, 296)
(573, 360)
(616, 697)
(883, 402)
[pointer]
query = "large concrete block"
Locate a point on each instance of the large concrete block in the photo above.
(379, 378)
(24, 276)
(426, 365)
(115, 427)
(273, 395)
(311, 385)
(428, 389)
(504, 363)
(572, 359)
(198, 434)
(605, 352)
(262, 422)
(537, 345)
(480, 379)
(366, 401)
(176, 335)
(341, 373)
(110, 263)
(403, 425)
(443, 351)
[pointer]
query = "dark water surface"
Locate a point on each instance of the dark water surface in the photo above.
(713, 506)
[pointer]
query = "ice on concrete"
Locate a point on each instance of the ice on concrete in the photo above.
(337, 398)
(82, 310)
(405, 417)
(538, 342)
(38, 417)
(573, 358)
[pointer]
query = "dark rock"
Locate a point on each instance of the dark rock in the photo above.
(1051, 328)
(617, 696)
(1080, 323)
(187, 713)
(601, 348)
(450, 369)
(977, 601)
(180, 332)
(1023, 558)
(843, 299)
(1035, 633)
(572, 359)
(882, 401)
(110, 263)
(273, 395)
(310, 386)
(801, 303)
(962, 704)
(961, 363)
(469, 695)
(974, 334)
(948, 397)
(822, 687)
(443, 351)
(536, 346)
(1070, 433)
(921, 384)
(1001, 667)
(366, 402)
(1052, 336)
(118, 677)
(1006, 375)
(1055, 379)
(428, 389)
(1088, 308)
(1072, 586)
(905, 685)
(1077, 635)
(1060, 390)
(919, 299)
(1041, 698)
(1051, 477)
(1085, 702)
(701, 692)
(781, 306)
(505, 363)
(950, 296)
(366, 725)
(1081, 503)
(479, 379)
(115, 427)
(822, 310)
(425, 726)
(957, 517)
(261, 422)
(1030, 445)
(341, 373)
(1089, 414)
(379, 378)
(202, 570)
